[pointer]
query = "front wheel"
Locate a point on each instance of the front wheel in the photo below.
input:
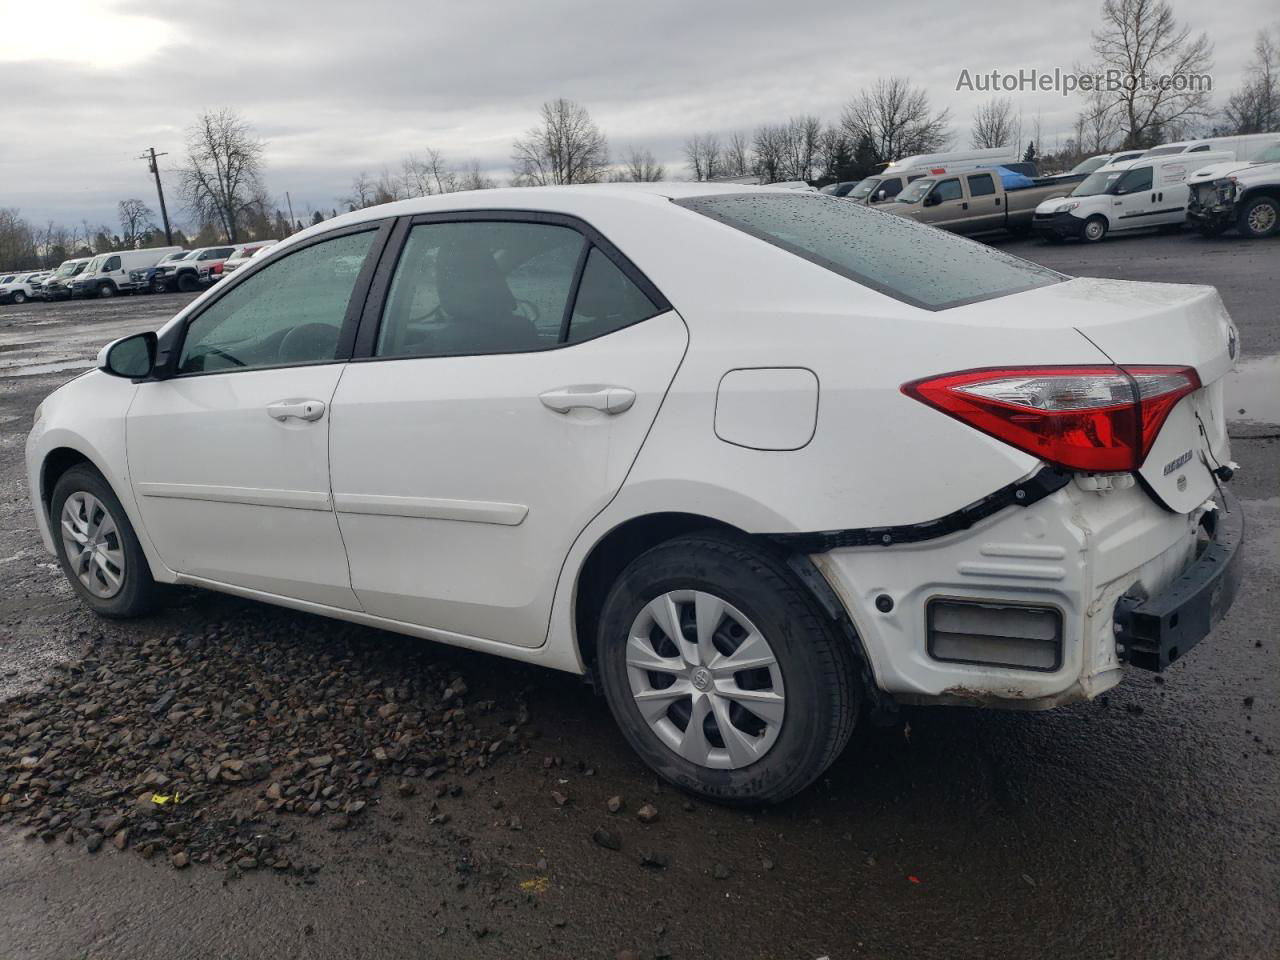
(722, 673)
(97, 548)
(1260, 217)
(1095, 228)
(19, 297)
(187, 282)
(106, 291)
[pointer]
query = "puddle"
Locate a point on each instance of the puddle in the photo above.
(36, 369)
(1252, 391)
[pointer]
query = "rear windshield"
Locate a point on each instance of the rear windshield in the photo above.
(911, 262)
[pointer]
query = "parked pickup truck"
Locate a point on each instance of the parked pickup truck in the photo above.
(1241, 195)
(975, 202)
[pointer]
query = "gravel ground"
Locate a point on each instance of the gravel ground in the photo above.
(331, 790)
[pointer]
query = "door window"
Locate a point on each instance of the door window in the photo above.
(113, 263)
(1135, 181)
(607, 300)
(948, 190)
(290, 312)
(480, 287)
(890, 187)
(981, 185)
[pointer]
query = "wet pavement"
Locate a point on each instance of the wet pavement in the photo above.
(1144, 824)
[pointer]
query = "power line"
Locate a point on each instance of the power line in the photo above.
(150, 157)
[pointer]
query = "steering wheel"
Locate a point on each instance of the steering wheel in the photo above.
(311, 341)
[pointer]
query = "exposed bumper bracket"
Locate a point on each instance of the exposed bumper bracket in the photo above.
(1153, 633)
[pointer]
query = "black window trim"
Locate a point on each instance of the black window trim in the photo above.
(366, 337)
(169, 347)
(693, 206)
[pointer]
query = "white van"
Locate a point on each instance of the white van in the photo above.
(1132, 195)
(889, 182)
(108, 273)
(1244, 148)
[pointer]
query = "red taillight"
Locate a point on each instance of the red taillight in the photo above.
(217, 268)
(1092, 418)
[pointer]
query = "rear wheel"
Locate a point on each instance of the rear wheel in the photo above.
(721, 672)
(1095, 228)
(97, 547)
(1258, 218)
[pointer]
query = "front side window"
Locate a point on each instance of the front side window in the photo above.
(911, 262)
(981, 185)
(479, 287)
(287, 313)
(948, 190)
(113, 263)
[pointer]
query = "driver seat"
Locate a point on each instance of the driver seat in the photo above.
(478, 304)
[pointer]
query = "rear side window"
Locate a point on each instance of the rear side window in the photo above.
(607, 301)
(917, 264)
(981, 185)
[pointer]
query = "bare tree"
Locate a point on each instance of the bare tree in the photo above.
(566, 147)
(1097, 126)
(222, 178)
(136, 218)
(639, 167)
(737, 155)
(362, 192)
(801, 146)
(993, 124)
(1142, 42)
(475, 179)
(896, 120)
(1255, 107)
(428, 175)
(769, 144)
(704, 156)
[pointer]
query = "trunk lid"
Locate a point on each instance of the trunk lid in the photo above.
(1176, 325)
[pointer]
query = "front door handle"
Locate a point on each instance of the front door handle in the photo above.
(611, 400)
(296, 409)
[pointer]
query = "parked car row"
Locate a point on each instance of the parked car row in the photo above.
(1216, 184)
(153, 270)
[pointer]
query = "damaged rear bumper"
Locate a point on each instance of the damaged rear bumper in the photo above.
(1152, 633)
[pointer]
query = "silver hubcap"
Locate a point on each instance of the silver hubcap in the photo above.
(1262, 218)
(1093, 230)
(92, 544)
(705, 680)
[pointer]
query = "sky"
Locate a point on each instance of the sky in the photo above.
(335, 88)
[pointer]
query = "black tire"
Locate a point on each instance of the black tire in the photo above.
(106, 290)
(1259, 217)
(816, 662)
(19, 297)
(187, 282)
(1099, 229)
(139, 593)
(158, 286)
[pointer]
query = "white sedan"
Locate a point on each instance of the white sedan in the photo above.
(759, 461)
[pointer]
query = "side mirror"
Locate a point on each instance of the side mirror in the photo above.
(880, 195)
(932, 200)
(132, 357)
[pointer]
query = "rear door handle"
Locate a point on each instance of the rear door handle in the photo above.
(296, 409)
(611, 400)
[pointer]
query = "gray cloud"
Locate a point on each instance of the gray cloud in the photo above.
(336, 88)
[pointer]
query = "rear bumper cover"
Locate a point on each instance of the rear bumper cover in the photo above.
(1152, 633)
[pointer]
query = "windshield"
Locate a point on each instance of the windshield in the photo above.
(916, 190)
(863, 188)
(95, 265)
(1098, 183)
(911, 262)
(1090, 165)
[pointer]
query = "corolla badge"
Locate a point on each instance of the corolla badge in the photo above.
(1181, 461)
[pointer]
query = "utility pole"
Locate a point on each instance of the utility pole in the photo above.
(150, 157)
(293, 224)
